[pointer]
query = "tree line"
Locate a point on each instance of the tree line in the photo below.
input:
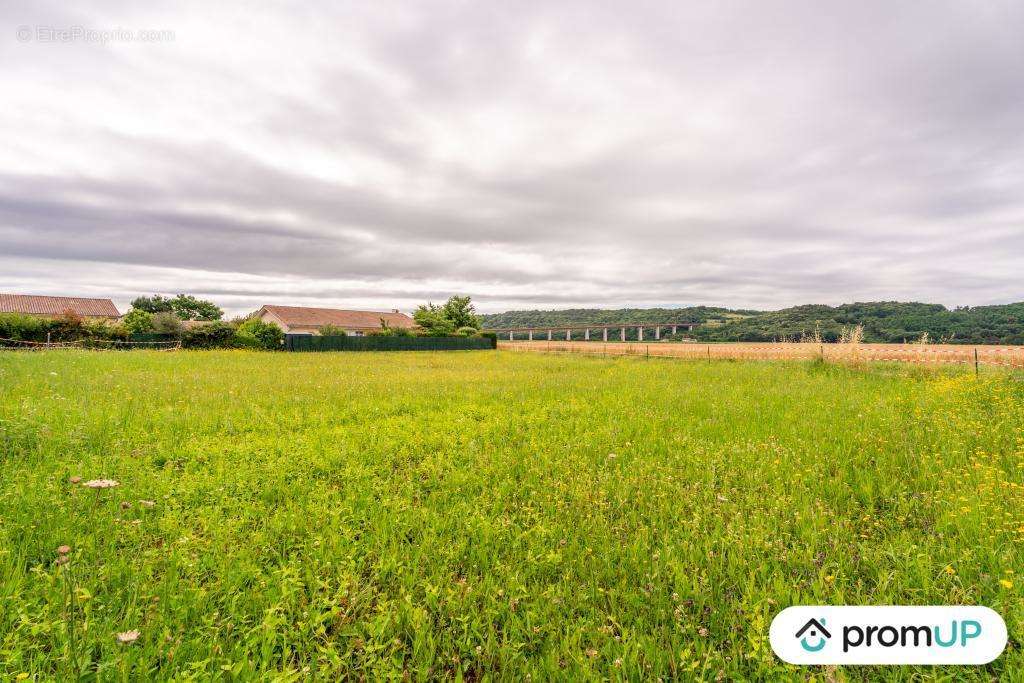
(882, 322)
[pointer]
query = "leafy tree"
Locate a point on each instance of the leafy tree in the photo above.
(185, 306)
(267, 335)
(138, 321)
(188, 307)
(432, 321)
(460, 311)
(443, 321)
(153, 304)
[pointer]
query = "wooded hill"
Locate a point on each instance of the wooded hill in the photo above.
(888, 321)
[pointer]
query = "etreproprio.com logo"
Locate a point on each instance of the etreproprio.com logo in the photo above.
(887, 635)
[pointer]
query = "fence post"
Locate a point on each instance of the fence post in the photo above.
(709, 353)
(975, 361)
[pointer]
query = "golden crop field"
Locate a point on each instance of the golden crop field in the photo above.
(928, 354)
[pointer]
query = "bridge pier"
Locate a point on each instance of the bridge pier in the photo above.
(606, 329)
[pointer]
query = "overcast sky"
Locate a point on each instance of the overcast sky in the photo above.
(529, 154)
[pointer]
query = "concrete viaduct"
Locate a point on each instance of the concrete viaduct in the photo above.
(622, 327)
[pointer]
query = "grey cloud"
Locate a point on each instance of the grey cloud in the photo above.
(583, 153)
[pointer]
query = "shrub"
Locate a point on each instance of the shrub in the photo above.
(489, 335)
(433, 322)
(386, 330)
(69, 326)
(467, 332)
(66, 328)
(138, 321)
(332, 331)
(23, 327)
(167, 323)
(216, 335)
(268, 335)
(101, 329)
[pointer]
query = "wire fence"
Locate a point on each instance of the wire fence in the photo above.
(924, 354)
(91, 344)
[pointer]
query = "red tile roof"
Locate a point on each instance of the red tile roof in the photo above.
(56, 305)
(300, 316)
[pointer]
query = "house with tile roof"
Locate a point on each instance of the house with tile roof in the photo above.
(304, 320)
(55, 306)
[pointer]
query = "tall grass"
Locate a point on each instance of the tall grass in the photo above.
(457, 515)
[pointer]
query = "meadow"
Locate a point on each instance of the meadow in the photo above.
(489, 515)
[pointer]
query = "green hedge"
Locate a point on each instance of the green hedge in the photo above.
(309, 342)
(19, 327)
(139, 337)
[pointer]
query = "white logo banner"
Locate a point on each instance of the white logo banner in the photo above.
(887, 635)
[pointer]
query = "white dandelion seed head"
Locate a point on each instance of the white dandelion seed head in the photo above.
(101, 483)
(128, 637)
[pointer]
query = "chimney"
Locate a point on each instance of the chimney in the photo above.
(395, 310)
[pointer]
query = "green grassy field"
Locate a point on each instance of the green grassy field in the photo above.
(489, 514)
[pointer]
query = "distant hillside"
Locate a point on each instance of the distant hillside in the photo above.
(888, 321)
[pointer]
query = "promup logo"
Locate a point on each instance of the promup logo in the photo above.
(888, 635)
(817, 629)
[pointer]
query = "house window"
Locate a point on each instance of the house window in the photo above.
(357, 333)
